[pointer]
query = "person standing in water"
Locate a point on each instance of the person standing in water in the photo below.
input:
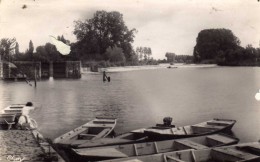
(105, 77)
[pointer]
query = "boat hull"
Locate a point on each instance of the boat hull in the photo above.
(159, 136)
(155, 147)
(95, 129)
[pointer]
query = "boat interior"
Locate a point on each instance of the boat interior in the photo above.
(93, 132)
(148, 148)
(227, 154)
(235, 153)
(97, 128)
(205, 127)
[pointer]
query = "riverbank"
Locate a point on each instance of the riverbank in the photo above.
(25, 145)
(148, 67)
(19, 144)
(22, 141)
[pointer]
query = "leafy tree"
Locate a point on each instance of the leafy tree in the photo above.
(31, 47)
(17, 48)
(183, 59)
(170, 57)
(211, 41)
(144, 53)
(47, 53)
(104, 30)
(7, 47)
(149, 52)
(30, 50)
(115, 54)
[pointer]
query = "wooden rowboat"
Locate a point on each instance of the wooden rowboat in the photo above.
(149, 148)
(98, 128)
(248, 152)
(201, 129)
(134, 136)
(18, 109)
(129, 137)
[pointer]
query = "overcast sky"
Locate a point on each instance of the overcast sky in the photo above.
(163, 25)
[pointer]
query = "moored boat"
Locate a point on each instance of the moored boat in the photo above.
(129, 137)
(18, 109)
(133, 136)
(233, 153)
(149, 148)
(98, 128)
(201, 129)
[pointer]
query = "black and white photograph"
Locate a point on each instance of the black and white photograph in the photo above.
(129, 80)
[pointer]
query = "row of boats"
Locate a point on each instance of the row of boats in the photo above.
(96, 141)
(203, 142)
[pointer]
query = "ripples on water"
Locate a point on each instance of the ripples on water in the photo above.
(142, 98)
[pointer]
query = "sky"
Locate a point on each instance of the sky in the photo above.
(163, 25)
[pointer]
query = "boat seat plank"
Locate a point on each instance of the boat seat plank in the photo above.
(208, 126)
(84, 134)
(103, 141)
(156, 148)
(220, 123)
(174, 159)
(101, 152)
(191, 144)
(135, 149)
(177, 131)
(220, 138)
(132, 160)
(103, 122)
(102, 133)
(235, 153)
(188, 129)
(251, 146)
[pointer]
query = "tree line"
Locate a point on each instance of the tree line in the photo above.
(102, 38)
(221, 46)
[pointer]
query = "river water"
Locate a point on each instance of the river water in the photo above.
(142, 98)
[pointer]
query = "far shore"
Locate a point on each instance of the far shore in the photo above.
(148, 67)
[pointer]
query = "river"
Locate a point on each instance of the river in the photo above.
(141, 98)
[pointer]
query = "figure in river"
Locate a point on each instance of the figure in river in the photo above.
(105, 77)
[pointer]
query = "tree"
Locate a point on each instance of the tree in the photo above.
(211, 41)
(144, 53)
(7, 47)
(149, 52)
(17, 49)
(104, 30)
(47, 53)
(170, 57)
(115, 54)
(31, 47)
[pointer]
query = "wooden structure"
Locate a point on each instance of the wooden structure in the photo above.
(22, 70)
